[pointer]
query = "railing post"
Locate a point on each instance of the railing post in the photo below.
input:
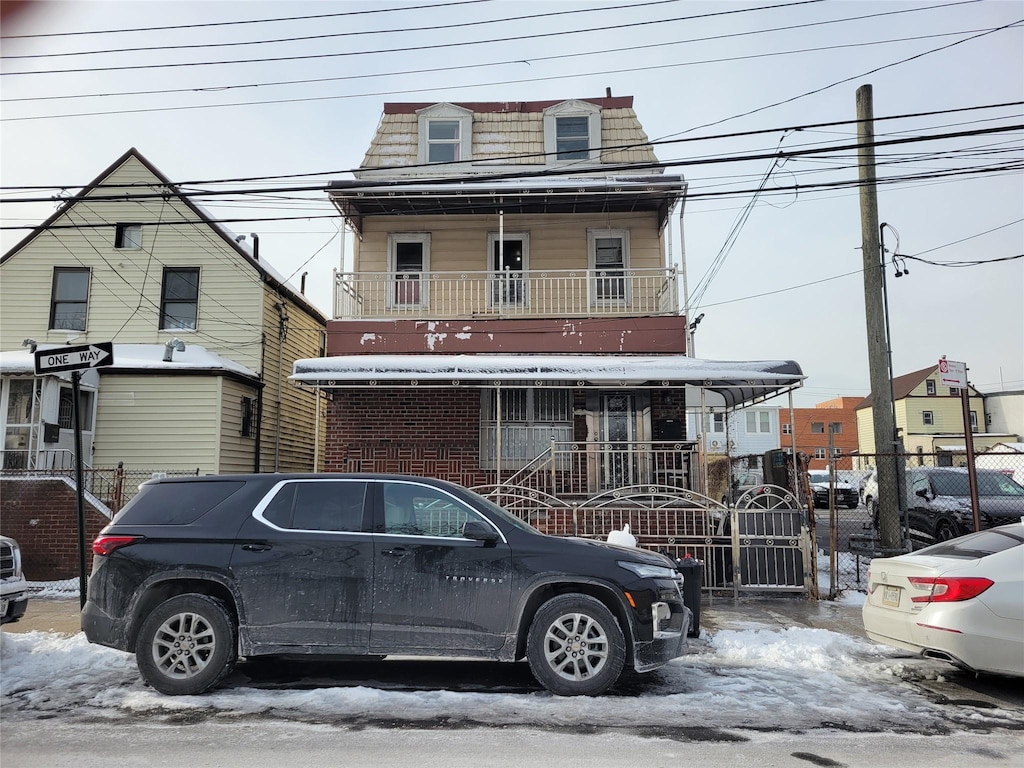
(118, 494)
(552, 450)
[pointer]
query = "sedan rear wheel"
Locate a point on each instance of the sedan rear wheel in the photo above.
(187, 645)
(575, 646)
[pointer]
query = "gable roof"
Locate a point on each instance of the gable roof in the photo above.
(266, 272)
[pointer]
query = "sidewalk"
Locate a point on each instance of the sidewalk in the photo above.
(61, 614)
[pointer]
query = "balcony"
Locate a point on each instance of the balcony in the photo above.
(501, 295)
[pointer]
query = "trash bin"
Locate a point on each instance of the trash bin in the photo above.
(693, 580)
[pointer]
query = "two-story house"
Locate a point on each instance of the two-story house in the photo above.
(513, 312)
(204, 335)
(930, 418)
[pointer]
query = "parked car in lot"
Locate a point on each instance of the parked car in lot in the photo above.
(847, 495)
(13, 586)
(939, 502)
(197, 571)
(869, 494)
(960, 600)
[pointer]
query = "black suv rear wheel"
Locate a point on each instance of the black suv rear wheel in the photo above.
(186, 645)
(575, 646)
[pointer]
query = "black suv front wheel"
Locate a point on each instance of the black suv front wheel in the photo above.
(575, 646)
(186, 645)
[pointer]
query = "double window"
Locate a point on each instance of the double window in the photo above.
(69, 299)
(758, 421)
(530, 418)
(179, 299)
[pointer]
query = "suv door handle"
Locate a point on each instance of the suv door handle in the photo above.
(257, 547)
(397, 552)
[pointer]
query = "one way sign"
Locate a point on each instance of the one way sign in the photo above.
(74, 358)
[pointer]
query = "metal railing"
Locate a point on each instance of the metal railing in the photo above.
(533, 293)
(573, 469)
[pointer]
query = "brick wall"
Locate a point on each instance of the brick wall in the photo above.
(428, 432)
(42, 516)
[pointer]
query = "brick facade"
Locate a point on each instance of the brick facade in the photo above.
(840, 411)
(42, 516)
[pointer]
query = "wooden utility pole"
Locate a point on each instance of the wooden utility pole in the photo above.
(877, 320)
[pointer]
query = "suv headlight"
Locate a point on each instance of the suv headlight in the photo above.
(645, 571)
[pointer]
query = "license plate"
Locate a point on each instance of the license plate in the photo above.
(891, 596)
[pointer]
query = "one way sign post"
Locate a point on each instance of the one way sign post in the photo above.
(77, 359)
(74, 358)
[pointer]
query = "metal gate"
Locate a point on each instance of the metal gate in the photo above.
(760, 544)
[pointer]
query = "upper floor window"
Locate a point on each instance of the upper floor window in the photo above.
(572, 131)
(928, 417)
(608, 254)
(835, 427)
(929, 387)
(408, 260)
(179, 299)
(974, 421)
(445, 134)
(715, 422)
(128, 236)
(954, 391)
(820, 453)
(69, 299)
(758, 421)
(817, 427)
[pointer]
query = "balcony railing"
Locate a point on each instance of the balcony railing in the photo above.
(541, 293)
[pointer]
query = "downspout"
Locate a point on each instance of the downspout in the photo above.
(259, 403)
(282, 334)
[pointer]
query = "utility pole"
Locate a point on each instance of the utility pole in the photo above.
(874, 311)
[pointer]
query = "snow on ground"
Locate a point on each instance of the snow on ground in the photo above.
(752, 676)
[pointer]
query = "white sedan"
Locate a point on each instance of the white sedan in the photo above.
(961, 601)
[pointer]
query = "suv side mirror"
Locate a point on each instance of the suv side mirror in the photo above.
(923, 493)
(479, 531)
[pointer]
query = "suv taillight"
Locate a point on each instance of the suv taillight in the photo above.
(948, 590)
(106, 545)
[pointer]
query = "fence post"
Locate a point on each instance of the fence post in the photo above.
(118, 494)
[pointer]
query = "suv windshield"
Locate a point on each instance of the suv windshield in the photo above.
(989, 484)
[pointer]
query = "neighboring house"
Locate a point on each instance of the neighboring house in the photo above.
(812, 427)
(930, 418)
(513, 310)
(747, 432)
(204, 334)
(1004, 412)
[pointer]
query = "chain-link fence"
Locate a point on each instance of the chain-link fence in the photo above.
(931, 501)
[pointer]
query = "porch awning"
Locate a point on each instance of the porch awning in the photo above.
(595, 195)
(730, 383)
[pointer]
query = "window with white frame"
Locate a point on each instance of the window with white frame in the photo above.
(837, 452)
(974, 421)
(787, 429)
(928, 417)
(445, 134)
(572, 132)
(508, 262)
(608, 254)
(758, 421)
(530, 419)
(820, 453)
(715, 422)
(408, 261)
(929, 386)
(69, 300)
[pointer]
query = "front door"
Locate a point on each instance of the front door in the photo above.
(434, 589)
(508, 265)
(618, 440)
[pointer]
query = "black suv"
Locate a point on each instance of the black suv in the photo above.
(195, 572)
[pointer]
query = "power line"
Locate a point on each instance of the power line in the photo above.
(491, 41)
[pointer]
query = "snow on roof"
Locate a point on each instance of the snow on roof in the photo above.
(736, 381)
(135, 357)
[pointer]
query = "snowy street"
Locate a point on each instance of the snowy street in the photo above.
(759, 668)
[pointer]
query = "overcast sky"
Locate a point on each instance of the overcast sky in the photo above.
(779, 276)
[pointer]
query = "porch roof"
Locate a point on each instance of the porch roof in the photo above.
(543, 194)
(731, 383)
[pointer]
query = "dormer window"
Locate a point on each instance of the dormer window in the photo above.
(445, 134)
(572, 132)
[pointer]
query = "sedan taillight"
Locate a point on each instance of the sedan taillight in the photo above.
(948, 590)
(106, 545)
